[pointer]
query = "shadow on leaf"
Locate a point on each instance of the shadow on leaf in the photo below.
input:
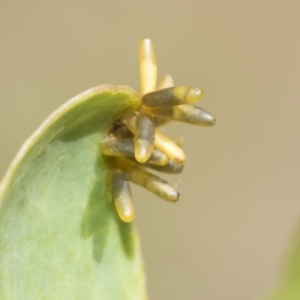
(99, 214)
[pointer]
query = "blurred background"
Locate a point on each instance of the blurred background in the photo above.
(227, 238)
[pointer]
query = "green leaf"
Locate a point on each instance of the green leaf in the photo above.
(60, 235)
(289, 288)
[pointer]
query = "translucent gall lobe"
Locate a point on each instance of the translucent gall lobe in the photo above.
(125, 148)
(148, 66)
(144, 137)
(60, 235)
(121, 194)
(172, 96)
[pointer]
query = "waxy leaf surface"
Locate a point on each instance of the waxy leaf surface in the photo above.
(60, 237)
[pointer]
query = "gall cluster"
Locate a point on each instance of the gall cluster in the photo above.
(136, 145)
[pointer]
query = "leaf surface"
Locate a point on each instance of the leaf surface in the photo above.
(60, 235)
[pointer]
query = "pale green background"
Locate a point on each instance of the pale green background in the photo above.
(226, 238)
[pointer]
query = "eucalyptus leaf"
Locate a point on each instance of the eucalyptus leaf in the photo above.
(60, 235)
